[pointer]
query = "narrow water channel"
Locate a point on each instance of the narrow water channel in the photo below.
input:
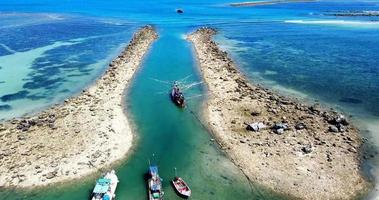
(175, 136)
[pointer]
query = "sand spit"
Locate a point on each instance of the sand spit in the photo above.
(302, 151)
(85, 133)
(262, 3)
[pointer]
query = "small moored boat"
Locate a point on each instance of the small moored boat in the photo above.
(177, 96)
(154, 184)
(105, 187)
(179, 11)
(181, 187)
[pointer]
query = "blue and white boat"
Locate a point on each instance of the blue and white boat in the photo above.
(105, 187)
(154, 184)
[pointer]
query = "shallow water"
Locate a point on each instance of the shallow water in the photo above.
(51, 50)
(68, 54)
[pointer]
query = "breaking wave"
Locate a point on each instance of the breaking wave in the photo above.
(336, 22)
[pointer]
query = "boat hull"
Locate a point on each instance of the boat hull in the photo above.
(177, 102)
(150, 194)
(177, 96)
(154, 184)
(181, 187)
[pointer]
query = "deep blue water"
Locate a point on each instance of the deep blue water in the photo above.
(50, 50)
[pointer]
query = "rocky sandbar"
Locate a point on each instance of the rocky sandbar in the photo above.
(303, 151)
(81, 135)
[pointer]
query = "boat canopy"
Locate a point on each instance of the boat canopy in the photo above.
(102, 186)
(153, 170)
(155, 186)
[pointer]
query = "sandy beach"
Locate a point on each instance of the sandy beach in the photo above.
(80, 136)
(303, 151)
(262, 3)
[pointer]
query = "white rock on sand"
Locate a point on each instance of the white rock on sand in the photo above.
(84, 134)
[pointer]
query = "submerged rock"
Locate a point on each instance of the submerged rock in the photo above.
(350, 100)
(5, 107)
(14, 96)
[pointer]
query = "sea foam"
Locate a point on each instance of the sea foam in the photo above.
(374, 24)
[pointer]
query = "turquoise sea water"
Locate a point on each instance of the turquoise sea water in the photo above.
(51, 50)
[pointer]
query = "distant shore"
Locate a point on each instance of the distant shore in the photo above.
(306, 152)
(84, 134)
(262, 3)
(353, 13)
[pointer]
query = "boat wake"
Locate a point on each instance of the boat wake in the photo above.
(162, 81)
(185, 86)
(191, 85)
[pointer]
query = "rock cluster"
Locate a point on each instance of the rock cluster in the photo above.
(42, 120)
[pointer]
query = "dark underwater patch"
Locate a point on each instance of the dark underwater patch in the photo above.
(5, 107)
(85, 70)
(42, 82)
(350, 100)
(77, 75)
(35, 97)
(50, 71)
(2, 82)
(64, 91)
(15, 96)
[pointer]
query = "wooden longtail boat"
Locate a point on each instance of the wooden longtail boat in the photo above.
(177, 96)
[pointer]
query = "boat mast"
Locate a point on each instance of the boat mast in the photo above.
(152, 160)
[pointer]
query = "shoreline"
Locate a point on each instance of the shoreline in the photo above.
(80, 136)
(74, 93)
(302, 160)
(269, 2)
